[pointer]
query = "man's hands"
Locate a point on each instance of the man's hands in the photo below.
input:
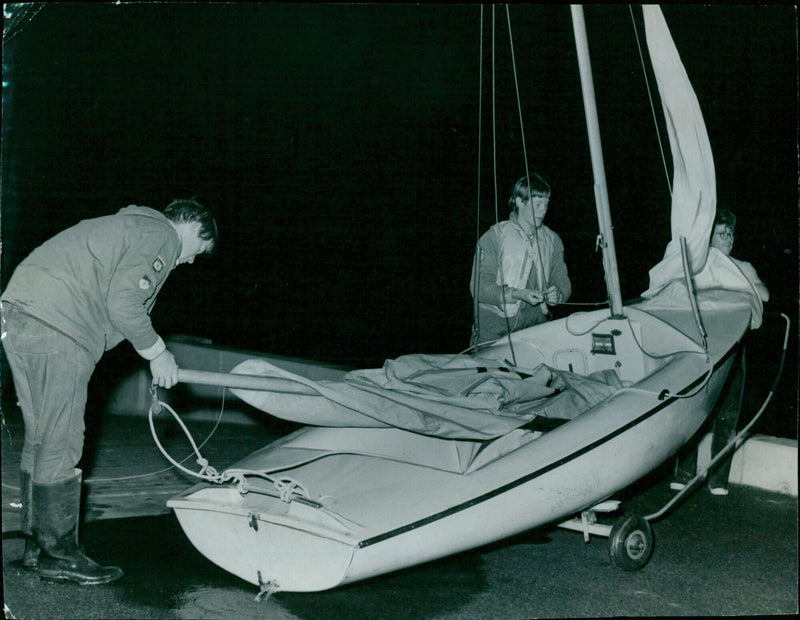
(164, 370)
(528, 296)
(551, 296)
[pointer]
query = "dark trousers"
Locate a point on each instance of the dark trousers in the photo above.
(726, 417)
(51, 375)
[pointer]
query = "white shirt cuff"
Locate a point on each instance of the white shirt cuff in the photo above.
(153, 352)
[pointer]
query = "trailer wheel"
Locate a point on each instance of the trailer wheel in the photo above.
(631, 543)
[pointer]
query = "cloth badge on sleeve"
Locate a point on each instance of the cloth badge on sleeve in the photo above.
(144, 283)
(158, 264)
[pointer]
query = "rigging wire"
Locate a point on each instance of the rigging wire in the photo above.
(509, 329)
(515, 73)
(494, 170)
(285, 488)
(480, 132)
(650, 97)
(478, 253)
(494, 117)
(544, 282)
(476, 260)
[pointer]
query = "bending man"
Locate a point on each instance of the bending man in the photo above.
(77, 295)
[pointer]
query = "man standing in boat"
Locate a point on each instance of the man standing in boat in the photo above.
(518, 269)
(77, 295)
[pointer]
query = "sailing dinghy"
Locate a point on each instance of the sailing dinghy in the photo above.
(436, 454)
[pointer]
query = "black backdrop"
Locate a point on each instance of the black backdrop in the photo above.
(339, 145)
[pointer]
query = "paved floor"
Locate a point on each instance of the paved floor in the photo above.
(714, 556)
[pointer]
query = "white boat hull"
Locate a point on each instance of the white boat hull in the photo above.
(385, 499)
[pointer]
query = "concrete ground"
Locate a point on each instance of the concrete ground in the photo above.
(714, 556)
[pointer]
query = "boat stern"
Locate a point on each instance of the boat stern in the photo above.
(260, 541)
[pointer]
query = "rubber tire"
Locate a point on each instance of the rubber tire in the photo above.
(631, 543)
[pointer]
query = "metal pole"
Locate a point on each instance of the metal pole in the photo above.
(598, 167)
(245, 382)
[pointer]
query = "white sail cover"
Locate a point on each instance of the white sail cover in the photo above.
(694, 191)
(449, 396)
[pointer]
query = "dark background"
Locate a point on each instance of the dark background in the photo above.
(339, 145)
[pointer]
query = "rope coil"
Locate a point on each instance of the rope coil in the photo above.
(287, 488)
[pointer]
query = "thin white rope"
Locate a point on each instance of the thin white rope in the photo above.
(166, 469)
(287, 488)
(662, 394)
(665, 393)
(572, 332)
(152, 473)
(659, 356)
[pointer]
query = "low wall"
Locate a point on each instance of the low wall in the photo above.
(761, 461)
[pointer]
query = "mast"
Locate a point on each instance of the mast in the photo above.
(598, 167)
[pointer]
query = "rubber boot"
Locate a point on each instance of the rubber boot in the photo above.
(55, 527)
(30, 557)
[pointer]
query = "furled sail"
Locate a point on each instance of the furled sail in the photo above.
(715, 276)
(694, 189)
